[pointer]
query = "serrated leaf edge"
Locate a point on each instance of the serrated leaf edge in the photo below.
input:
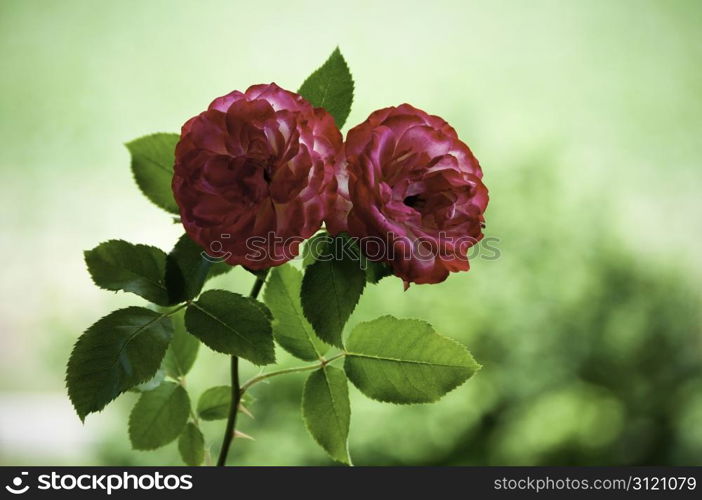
(336, 51)
(130, 422)
(128, 145)
(139, 381)
(201, 309)
(300, 320)
(340, 344)
(307, 424)
(478, 366)
(119, 240)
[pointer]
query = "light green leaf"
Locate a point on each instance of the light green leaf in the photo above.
(159, 416)
(405, 361)
(182, 351)
(120, 265)
(153, 157)
(290, 327)
(331, 87)
(120, 351)
(327, 412)
(214, 403)
(330, 291)
(152, 383)
(231, 324)
(259, 273)
(187, 270)
(191, 445)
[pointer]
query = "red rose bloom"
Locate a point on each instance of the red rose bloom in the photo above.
(252, 175)
(411, 191)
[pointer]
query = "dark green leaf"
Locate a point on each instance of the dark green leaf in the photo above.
(405, 361)
(120, 265)
(182, 351)
(331, 289)
(218, 268)
(187, 269)
(331, 88)
(123, 349)
(375, 271)
(214, 403)
(314, 247)
(327, 412)
(290, 328)
(318, 246)
(153, 157)
(191, 445)
(159, 416)
(263, 308)
(231, 324)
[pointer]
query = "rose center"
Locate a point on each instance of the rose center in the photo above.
(415, 201)
(266, 165)
(267, 173)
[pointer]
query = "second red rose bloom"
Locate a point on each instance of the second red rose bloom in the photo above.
(410, 190)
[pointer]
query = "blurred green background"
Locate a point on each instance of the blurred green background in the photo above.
(586, 117)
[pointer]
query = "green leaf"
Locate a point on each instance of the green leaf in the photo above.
(405, 361)
(314, 247)
(191, 445)
(263, 308)
(153, 157)
(327, 412)
(182, 351)
(331, 289)
(231, 324)
(376, 271)
(120, 265)
(290, 328)
(218, 268)
(259, 273)
(214, 403)
(159, 416)
(152, 383)
(187, 270)
(331, 88)
(123, 349)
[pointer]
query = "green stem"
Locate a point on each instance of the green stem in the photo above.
(236, 391)
(176, 309)
(233, 410)
(258, 284)
(296, 369)
(166, 314)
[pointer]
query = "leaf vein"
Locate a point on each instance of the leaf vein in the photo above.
(227, 326)
(398, 360)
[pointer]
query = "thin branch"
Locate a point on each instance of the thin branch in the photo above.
(264, 376)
